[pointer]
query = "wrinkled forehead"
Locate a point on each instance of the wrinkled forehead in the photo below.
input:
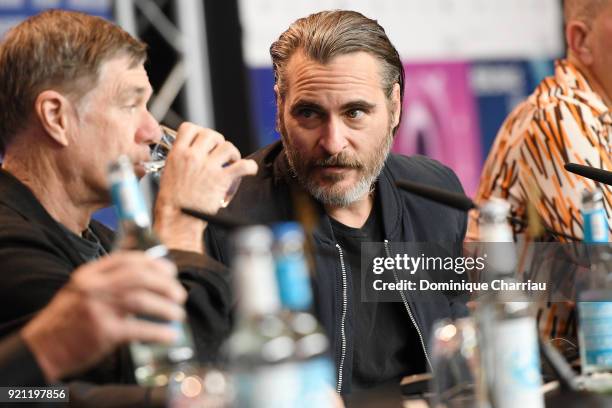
(357, 72)
(120, 76)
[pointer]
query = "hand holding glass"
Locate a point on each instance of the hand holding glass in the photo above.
(159, 154)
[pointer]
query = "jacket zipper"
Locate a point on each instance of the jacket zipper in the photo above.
(416, 326)
(343, 319)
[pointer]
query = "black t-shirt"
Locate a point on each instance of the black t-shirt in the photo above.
(386, 345)
(88, 245)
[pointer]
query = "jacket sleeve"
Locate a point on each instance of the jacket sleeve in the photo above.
(209, 301)
(453, 184)
(209, 295)
(457, 301)
(424, 170)
(32, 271)
(427, 171)
(18, 366)
(213, 240)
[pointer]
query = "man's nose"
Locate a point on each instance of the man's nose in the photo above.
(149, 131)
(333, 139)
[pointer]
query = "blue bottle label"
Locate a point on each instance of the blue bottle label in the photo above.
(595, 226)
(129, 201)
(293, 282)
(596, 332)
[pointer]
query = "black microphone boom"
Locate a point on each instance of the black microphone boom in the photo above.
(461, 202)
(455, 200)
(219, 220)
(593, 173)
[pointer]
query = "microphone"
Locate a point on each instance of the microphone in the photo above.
(461, 202)
(455, 200)
(219, 220)
(592, 173)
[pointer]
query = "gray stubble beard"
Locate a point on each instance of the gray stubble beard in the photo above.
(326, 195)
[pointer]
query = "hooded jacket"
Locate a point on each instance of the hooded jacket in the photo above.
(269, 197)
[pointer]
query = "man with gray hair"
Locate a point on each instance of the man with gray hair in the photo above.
(74, 94)
(339, 90)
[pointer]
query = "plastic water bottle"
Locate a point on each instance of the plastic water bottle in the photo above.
(154, 362)
(316, 371)
(508, 333)
(595, 300)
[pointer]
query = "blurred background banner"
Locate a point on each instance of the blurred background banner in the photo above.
(424, 30)
(468, 63)
(440, 119)
(13, 11)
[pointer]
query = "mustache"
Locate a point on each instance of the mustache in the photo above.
(339, 160)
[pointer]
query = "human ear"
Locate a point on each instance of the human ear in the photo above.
(396, 104)
(52, 110)
(279, 108)
(578, 41)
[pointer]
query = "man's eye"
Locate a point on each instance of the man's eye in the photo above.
(355, 113)
(306, 113)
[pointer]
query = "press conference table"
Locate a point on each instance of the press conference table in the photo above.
(390, 396)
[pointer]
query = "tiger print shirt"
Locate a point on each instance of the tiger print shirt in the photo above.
(562, 121)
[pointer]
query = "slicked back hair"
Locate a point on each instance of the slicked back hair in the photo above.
(327, 34)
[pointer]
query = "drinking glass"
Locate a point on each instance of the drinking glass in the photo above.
(159, 153)
(192, 386)
(455, 360)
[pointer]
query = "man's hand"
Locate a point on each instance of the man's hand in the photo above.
(94, 312)
(201, 167)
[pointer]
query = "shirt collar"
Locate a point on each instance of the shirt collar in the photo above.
(574, 84)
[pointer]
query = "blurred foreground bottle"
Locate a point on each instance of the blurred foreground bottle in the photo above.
(508, 335)
(277, 354)
(261, 345)
(595, 298)
(153, 362)
(315, 368)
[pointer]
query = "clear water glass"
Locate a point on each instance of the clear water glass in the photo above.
(456, 366)
(159, 153)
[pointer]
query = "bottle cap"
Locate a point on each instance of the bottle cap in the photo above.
(254, 238)
(591, 197)
(289, 230)
(495, 210)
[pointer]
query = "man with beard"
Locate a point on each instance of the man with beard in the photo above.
(339, 88)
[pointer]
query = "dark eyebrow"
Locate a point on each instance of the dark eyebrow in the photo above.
(305, 104)
(358, 104)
